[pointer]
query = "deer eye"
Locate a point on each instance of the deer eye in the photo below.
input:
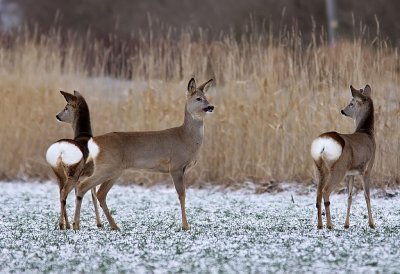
(198, 99)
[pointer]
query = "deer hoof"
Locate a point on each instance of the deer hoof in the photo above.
(100, 226)
(372, 225)
(62, 226)
(329, 227)
(68, 226)
(115, 228)
(320, 226)
(76, 226)
(346, 226)
(186, 227)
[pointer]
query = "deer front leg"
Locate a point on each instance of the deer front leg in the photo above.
(349, 200)
(366, 182)
(177, 177)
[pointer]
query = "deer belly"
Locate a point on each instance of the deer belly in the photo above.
(353, 172)
(159, 165)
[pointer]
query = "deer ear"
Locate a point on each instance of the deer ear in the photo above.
(353, 89)
(367, 91)
(204, 87)
(357, 94)
(68, 97)
(191, 86)
(77, 94)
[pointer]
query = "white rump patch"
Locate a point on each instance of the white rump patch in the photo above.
(93, 149)
(66, 152)
(327, 148)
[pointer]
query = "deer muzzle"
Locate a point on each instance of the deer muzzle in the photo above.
(209, 109)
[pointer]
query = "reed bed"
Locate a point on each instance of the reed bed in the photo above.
(273, 95)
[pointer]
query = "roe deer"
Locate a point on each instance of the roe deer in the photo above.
(337, 155)
(172, 151)
(67, 157)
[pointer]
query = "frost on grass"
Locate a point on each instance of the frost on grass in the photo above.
(231, 232)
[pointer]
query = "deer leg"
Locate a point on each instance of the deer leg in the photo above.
(61, 180)
(327, 204)
(321, 183)
(366, 182)
(96, 208)
(349, 200)
(102, 196)
(72, 173)
(177, 177)
(63, 220)
(336, 176)
(63, 213)
(63, 200)
(98, 177)
(80, 190)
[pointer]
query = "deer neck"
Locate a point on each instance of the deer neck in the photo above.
(81, 124)
(193, 127)
(365, 123)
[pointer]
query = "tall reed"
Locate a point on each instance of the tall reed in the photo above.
(273, 95)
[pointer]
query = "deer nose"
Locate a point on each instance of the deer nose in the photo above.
(210, 108)
(343, 112)
(58, 118)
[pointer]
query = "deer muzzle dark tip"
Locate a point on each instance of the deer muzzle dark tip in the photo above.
(209, 109)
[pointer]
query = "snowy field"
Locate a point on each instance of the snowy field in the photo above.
(232, 232)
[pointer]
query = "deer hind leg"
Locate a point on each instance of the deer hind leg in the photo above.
(98, 177)
(366, 182)
(322, 173)
(72, 173)
(96, 207)
(336, 176)
(349, 200)
(102, 196)
(179, 184)
(61, 179)
(63, 199)
(88, 171)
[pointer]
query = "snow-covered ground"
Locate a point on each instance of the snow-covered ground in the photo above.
(232, 232)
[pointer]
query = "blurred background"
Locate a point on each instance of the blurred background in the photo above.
(282, 72)
(124, 17)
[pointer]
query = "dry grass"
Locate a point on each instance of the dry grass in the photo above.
(272, 97)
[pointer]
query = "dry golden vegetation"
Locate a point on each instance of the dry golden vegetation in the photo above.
(273, 95)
